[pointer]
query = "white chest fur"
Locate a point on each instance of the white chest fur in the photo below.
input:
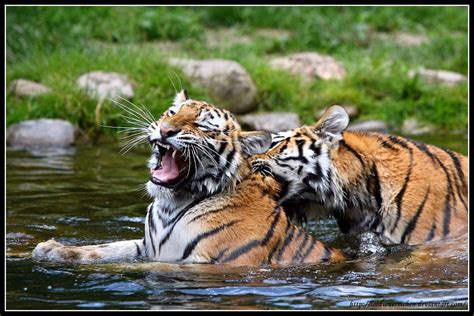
(167, 235)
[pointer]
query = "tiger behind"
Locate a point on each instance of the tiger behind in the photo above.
(209, 207)
(404, 190)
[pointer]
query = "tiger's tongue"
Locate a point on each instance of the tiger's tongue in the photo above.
(169, 169)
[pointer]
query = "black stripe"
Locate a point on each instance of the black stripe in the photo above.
(151, 221)
(241, 251)
(355, 153)
(254, 243)
(271, 230)
(297, 256)
(384, 143)
(447, 216)
(376, 192)
(229, 158)
(286, 242)
(272, 252)
(139, 252)
(152, 242)
(176, 219)
(191, 245)
(460, 174)
(449, 194)
(432, 233)
(316, 150)
(309, 250)
(399, 197)
(412, 224)
(207, 213)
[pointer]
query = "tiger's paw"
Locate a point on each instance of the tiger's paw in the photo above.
(43, 249)
(49, 250)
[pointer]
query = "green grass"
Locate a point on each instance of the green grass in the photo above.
(54, 45)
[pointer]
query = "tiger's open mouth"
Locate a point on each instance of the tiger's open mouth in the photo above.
(172, 166)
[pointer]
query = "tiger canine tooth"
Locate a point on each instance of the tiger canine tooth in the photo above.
(174, 153)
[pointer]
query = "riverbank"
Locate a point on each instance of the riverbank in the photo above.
(376, 46)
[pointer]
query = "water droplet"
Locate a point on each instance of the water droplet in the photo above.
(49, 287)
(25, 289)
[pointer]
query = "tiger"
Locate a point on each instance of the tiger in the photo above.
(208, 205)
(402, 190)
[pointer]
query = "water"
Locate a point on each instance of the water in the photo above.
(92, 194)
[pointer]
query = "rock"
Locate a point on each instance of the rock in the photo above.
(404, 39)
(42, 133)
(448, 78)
(101, 85)
(226, 81)
(27, 88)
(412, 127)
(369, 126)
(271, 122)
(352, 111)
(310, 66)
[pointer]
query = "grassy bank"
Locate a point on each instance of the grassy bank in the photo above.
(54, 45)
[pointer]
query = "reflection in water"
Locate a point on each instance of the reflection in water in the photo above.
(94, 195)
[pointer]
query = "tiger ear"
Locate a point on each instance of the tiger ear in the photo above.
(253, 143)
(333, 122)
(180, 97)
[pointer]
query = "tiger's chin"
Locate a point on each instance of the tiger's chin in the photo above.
(172, 169)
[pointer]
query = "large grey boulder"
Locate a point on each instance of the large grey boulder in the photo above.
(271, 122)
(444, 77)
(225, 80)
(27, 88)
(42, 133)
(310, 66)
(100, 85)
(369, 126)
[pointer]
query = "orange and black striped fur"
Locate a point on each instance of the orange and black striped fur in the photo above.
(209, 207)
(404, 190)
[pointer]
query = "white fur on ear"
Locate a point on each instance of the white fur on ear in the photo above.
(253, 143)
(333, 122)
(180, 97)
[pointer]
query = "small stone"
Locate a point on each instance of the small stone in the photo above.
(412, 127)
(448, 78)
(369, 126)
(351, 110)
(27, 88)
(42, 133)
(404, 38)
(18, 236)
(271, 122)
(310, 66)
(226, 81)
(101, 85)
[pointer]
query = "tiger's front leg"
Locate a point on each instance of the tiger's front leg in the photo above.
(52, 250)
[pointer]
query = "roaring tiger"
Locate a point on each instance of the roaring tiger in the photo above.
(209, 207)
(403, 190)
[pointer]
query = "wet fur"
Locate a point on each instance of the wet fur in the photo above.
(406, 191)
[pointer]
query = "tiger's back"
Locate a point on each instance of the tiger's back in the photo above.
(420, 190)
(407, 191)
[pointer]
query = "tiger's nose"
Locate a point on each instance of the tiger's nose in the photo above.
(168, 131)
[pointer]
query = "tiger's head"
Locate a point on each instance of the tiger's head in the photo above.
(300, 158)
(198, 148)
